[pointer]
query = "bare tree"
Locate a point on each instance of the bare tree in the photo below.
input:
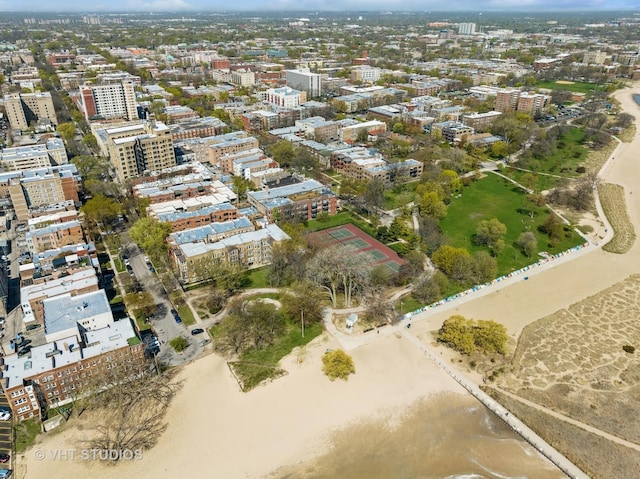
(129, 401)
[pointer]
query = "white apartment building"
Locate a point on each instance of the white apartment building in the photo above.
(304, 80)
(366, 74)
(115, 100)
(285, 97)
(466, 28)
(243, 78)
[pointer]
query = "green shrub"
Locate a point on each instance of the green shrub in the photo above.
(337, 364)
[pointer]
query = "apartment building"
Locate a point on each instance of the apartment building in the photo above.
(114, 100)
(352, 134)
(243, 77)
(363, 164)
(365, 74)
(37, 188)
(466, 29)
(286, 97)
(532, 103)
(52, 153)
(507, 99)
(252, 249)
(138, 148)
(304, 80)
(452, 131)
(594, 58)
(80, 281)
(54, 236)
(177, 113)
(192, 212)
(480, 121)
(319, 129)
(229, 144)
(53, 374)
(296, 200)
(182, 188)
(212, 232)
(197, 128)
(23, 109)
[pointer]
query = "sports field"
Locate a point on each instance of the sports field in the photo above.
(361, 244)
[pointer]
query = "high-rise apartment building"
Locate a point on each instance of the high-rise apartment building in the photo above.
(507, 99)
(304, 80)
(466, 28)
(24, 108)
(116, 100)
(135, 149)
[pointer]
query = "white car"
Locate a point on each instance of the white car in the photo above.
(5, 415)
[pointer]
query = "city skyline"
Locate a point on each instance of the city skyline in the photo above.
(306, 5)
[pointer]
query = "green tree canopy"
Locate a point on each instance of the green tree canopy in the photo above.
(468, 336)
(491, 234)
(100, 210)
(150, 235)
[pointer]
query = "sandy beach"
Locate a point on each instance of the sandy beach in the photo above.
(217, 431)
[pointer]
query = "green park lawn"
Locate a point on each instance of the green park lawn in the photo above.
(577, 87)
(339, 219)
(495, 197)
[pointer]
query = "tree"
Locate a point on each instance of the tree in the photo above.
(249, 325)
(150, 234)
(553, 228)
(179, 344)
(431, 288)
(467, 336)
(337, 365)
(485, 267)
(429, 204)
(283, 152)
(378, 311)
(100, 210)
(373, 194)
(528, 243)
(67, 131)
(457, 333)
(449, 258)
(129, 401)
(491, 234)
(141, 303)
(303, 298)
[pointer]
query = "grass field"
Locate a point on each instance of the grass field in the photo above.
(342, 218)
(577, 87)
(258, 278)
(495, 197)
(25, 433)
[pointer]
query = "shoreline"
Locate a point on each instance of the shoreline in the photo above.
(215, 428)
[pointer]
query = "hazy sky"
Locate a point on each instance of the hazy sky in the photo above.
(420, 5)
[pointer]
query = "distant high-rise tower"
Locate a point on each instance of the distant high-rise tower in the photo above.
(466, 28)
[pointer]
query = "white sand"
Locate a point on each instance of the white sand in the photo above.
(217, 431)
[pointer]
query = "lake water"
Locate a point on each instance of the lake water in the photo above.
(447, 437)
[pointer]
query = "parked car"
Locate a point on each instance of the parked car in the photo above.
(197, 331)
(24, 351)
(204, 342)
(178, 319)
(5, 415)
(5, 473)
(4, 458)
(32, 327)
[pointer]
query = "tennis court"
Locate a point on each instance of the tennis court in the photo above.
(361, 243)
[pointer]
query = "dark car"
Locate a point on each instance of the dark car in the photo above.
(23, 343)
(24, 351)
(4, 458)
(197, 331)
(32, 327)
